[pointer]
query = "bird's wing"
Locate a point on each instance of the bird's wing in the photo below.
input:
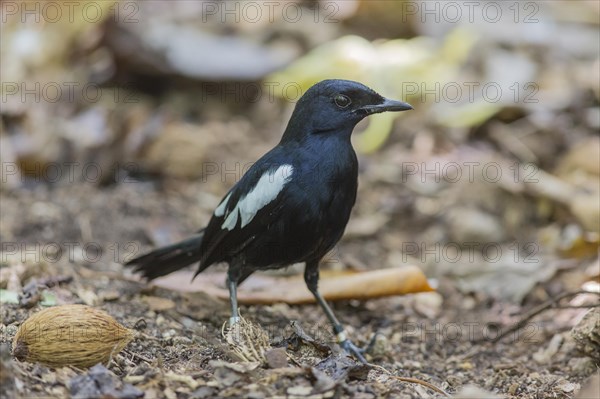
(247, 209)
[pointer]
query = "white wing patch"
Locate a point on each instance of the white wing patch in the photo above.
(220, 211)
(231, 220)
(266, 190)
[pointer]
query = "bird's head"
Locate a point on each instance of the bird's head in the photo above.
(337, 105)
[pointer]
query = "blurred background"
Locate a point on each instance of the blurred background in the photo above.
(124, 123)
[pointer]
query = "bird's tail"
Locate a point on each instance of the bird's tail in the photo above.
(168, 259)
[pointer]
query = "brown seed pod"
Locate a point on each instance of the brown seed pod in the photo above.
(70, 335)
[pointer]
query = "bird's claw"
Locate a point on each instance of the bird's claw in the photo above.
(353, 350)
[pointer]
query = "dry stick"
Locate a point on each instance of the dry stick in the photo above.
(133, 354)
(411, 380)
(293, 360)
(539, 309)
(595, 305)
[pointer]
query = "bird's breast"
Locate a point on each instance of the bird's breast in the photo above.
(328, 182)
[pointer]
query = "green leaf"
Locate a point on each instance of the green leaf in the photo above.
(9, 296)
(48, 299)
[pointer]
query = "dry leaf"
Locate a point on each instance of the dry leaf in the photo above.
(264, 289)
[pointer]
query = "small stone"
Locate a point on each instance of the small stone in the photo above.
(466, 366)
(566, 386)
(381, 346)
(429, 304)
(473, 392)
(534, 376)
(276, 358)
(160, 320)
(512, 389)
(108, 296)
(169, 334)
(203, 393)
(587, 334)
(544, 355)
(299, 390)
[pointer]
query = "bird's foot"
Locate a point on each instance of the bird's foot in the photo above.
(352, 349)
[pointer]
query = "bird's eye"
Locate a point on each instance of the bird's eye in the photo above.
(342, 101)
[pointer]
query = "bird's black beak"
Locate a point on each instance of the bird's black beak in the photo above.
(385, 106)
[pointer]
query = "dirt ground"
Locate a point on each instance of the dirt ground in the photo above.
(179, 350)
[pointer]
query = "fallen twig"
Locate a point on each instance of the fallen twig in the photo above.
(133, 354)
(411, 380)
(539, 309)
(591, 305)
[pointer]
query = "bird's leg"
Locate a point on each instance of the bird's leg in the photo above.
(311, 277)
(235, 317)
(235, 276)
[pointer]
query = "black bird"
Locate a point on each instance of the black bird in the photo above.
(292, 205)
